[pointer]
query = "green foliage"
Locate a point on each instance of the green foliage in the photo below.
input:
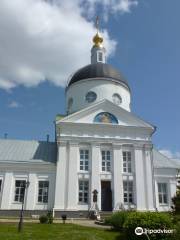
(46, 218)
(50, 217)
(148, 220)
(116, 220)
(176, 201)
(177, 233)
(176, 218)
(43, 219)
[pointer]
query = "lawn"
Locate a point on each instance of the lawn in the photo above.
(36, 231)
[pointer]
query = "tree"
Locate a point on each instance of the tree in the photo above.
(176, 201)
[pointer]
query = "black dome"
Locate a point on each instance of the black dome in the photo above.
(98, 70)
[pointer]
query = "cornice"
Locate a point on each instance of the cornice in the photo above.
(16, 166)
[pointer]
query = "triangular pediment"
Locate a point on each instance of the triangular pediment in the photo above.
(87, 115)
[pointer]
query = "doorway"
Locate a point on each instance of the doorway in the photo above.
(106, 196)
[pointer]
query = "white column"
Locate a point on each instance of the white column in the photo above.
(117, 176)
(95, 173)
(60, 187)
(31, 192)
(7, 191)
(149, 187)
(140, 179)
(156, 194)
(72, 186)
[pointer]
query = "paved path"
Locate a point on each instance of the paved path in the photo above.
(82, 222)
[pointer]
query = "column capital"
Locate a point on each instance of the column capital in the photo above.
(95, 145)
(148, 146)
(138, 146)
(61, 143)
(117, 146)
(73, 143)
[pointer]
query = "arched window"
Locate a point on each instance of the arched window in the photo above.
(117, 99)
(105, 117)
(70, 103)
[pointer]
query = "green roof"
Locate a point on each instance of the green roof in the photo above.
(27, 151)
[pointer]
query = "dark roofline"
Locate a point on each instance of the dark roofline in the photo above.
(98, 71)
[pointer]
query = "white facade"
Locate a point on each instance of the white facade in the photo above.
(103, 88)
(100, 145)
(10, 173)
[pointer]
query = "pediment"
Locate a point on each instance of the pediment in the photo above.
(88, 115)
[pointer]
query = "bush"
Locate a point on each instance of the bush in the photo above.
(148, 220)
(176, 201)
(64, 217)
(177, 233)
(116, 220)
(50, 217)
(43, 219)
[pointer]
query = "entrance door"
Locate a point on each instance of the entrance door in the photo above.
(106, 196)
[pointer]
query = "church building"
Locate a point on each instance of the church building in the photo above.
(99, 145)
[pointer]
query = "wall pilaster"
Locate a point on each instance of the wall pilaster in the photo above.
(60, 188)
(95, 173)
(117, 176)
(7, 191)
(72, 185)
(140, 178)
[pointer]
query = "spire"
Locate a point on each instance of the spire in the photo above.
(97, 39)
(98, 51)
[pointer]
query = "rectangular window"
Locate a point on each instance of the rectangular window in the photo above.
(84, 160)
(83, 191)
(162, 192)
(43, 191)
(100, 57)
(127, 162)
(19, 190)
(106, 161)
(128, 191)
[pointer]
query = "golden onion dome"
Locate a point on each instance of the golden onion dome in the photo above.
(98, 40)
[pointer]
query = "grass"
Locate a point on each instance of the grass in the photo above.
(36, 231)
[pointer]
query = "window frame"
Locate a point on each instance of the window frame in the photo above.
(129, 192)
(106, 160)
(1, 183)
(100, 56)
(127, 161)
(90, 97)
(162, 195)
(84, 161)
(116, 96)
(83, 194)
(44, 192)
(19, 191)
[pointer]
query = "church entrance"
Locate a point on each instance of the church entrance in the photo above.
(106, 196)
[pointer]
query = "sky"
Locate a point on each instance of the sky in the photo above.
(42, 42)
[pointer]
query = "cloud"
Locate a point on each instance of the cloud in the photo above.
(14, 104)
(169, 153)
(44, 40)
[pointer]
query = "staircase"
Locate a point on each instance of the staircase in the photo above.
(105, 214)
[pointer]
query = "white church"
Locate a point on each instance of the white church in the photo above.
(100, 145)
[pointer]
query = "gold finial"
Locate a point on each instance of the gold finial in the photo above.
(97, 39)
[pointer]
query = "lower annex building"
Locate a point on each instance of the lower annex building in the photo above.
(100, 145)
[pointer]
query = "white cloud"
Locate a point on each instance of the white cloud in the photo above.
(49, 39)
(169, 153)
(14, 104)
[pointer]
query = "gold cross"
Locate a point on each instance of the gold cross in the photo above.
(97, 23)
